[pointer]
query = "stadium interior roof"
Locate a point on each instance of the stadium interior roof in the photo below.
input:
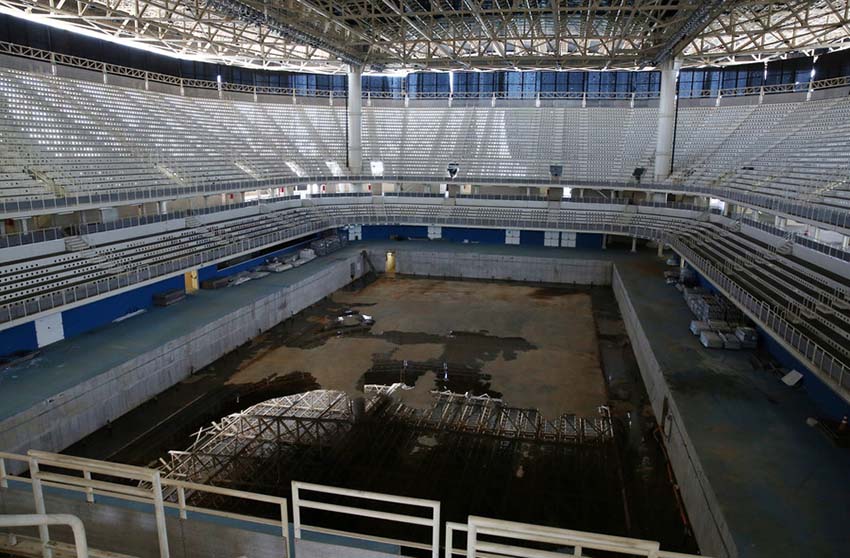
(385, 35)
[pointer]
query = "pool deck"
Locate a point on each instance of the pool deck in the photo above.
(781, 485)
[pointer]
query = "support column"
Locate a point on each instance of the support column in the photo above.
(355, 110)
(604, 241)
(660, 249)
(634, 244)
(666, 119)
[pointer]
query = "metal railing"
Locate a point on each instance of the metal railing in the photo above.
(785, 205)
(140, 485)
(44, 520)
(800, 239)
(148, 76)
(513, 541)
(432, 506)
(148, 487)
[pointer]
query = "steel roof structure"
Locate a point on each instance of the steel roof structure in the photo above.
(385, 35)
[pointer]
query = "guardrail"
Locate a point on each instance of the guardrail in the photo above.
(43, 520)
(149, 487)
(148, 76)
(134, 484)
(798, 209)
(511, 535)
(432, 522)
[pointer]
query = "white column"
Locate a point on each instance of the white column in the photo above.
(634, 244)
(355, 110)
(666, 116)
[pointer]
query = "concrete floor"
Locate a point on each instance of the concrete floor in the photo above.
(539, 348)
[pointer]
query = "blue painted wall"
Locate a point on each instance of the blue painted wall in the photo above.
(384, 232)
(531, 238)
(18, 339)
(588, 241)
(86, 318)
(826, 400)
(477, 236)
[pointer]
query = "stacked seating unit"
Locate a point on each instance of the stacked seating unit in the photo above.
(64, 137)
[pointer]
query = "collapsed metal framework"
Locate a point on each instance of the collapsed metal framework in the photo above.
(458, 412)
(240, 445)
(240, 450)
(327, 35)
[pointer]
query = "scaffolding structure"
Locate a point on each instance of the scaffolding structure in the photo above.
(238, 450)
(486, 416)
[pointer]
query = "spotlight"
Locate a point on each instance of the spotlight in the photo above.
(452, 170)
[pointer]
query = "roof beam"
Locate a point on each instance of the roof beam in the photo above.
(243, 12)
(705, 13)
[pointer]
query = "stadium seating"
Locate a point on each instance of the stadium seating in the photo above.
(67, 136)
(64, 137)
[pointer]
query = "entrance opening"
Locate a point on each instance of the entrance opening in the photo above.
(190, 281)
(390, 262)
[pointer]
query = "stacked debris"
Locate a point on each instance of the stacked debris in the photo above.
(718, 324)
(706, 306)
(328, 245)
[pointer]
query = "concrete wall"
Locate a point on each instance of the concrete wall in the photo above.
(709, 525)
(71, 415)
(421, 261)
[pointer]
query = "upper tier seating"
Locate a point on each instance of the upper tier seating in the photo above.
(62, 136)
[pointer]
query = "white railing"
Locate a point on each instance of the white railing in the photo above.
(513, 535)
(114, 69)
(478, 529)
(43, 520)
(432, 522)
(132, 484)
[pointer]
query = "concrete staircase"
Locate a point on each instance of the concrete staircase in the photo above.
(76, 244)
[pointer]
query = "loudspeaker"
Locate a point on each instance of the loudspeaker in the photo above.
(638, 173)
(556, 170)
(452, 170)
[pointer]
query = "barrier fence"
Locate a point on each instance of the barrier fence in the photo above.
(810, 210)
(128, 483)
(147, 486)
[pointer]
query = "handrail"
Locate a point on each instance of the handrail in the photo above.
(433, 522)
(799, 209)
(579, 541)
(148, 76)
(43, 520)
(151, 491)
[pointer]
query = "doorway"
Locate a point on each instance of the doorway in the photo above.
(190, 281)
